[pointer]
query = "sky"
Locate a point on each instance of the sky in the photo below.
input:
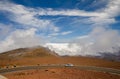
(69, 27)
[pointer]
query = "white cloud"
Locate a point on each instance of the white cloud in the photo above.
(21, 39)
(82, 37)
(110, 12)
(112, 8)
(106, 15)
(68, 12)
(60, 33)
(100, 40)
(26, 16)
(98, 4)
(4, 30)
(53, 34)
(66, 33)
(62, 48)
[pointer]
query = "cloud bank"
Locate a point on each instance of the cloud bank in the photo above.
(101, 39)
(21, 39)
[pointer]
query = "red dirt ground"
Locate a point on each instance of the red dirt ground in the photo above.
(60, 73)
(42, 56)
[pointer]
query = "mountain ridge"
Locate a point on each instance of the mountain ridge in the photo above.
(42, 55)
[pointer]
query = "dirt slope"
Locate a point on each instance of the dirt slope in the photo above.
(40, 55)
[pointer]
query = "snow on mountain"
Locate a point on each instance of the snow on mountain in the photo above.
(73, 49)
(63, 48)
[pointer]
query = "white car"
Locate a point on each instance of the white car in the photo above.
(69, 65)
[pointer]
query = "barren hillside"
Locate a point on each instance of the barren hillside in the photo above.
(40, 55)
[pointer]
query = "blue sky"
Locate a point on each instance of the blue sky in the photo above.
(38, 21)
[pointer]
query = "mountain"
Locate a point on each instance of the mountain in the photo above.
(37, 51)
(42, 55)
(66, 49)
(27, 56)
(110, 56)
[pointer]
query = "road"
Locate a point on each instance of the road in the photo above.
(91, 68)
(2, 77)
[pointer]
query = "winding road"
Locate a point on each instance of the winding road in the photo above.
(91, 68)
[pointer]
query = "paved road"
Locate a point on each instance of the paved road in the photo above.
(93, 68)
(2, 77)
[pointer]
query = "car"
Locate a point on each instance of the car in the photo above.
(69, 65)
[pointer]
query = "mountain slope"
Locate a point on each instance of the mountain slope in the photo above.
(41, 55)
(29, 52)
